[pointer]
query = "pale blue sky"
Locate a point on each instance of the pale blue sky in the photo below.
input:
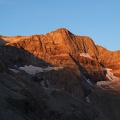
(98, 19)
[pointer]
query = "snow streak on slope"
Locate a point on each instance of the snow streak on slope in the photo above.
(88, 81)
(111, 78)
(86, 55)
(14, 70)
(33, 69)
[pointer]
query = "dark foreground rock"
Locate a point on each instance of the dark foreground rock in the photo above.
(23, 99)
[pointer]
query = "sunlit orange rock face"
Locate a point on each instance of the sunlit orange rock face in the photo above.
(55, 46)
(110, 59)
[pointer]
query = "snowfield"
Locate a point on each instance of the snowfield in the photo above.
(111, 78)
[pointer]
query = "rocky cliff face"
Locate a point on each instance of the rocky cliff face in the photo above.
(110, 59)
(54, 47)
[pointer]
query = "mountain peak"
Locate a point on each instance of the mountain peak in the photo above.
(61, 31)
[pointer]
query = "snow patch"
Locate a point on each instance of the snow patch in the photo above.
(111, 78)
(86, 55)
(88, 81)
(103, 83)
(33, 69)
(14, 70)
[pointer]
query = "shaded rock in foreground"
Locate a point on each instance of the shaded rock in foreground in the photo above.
(23, 99)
